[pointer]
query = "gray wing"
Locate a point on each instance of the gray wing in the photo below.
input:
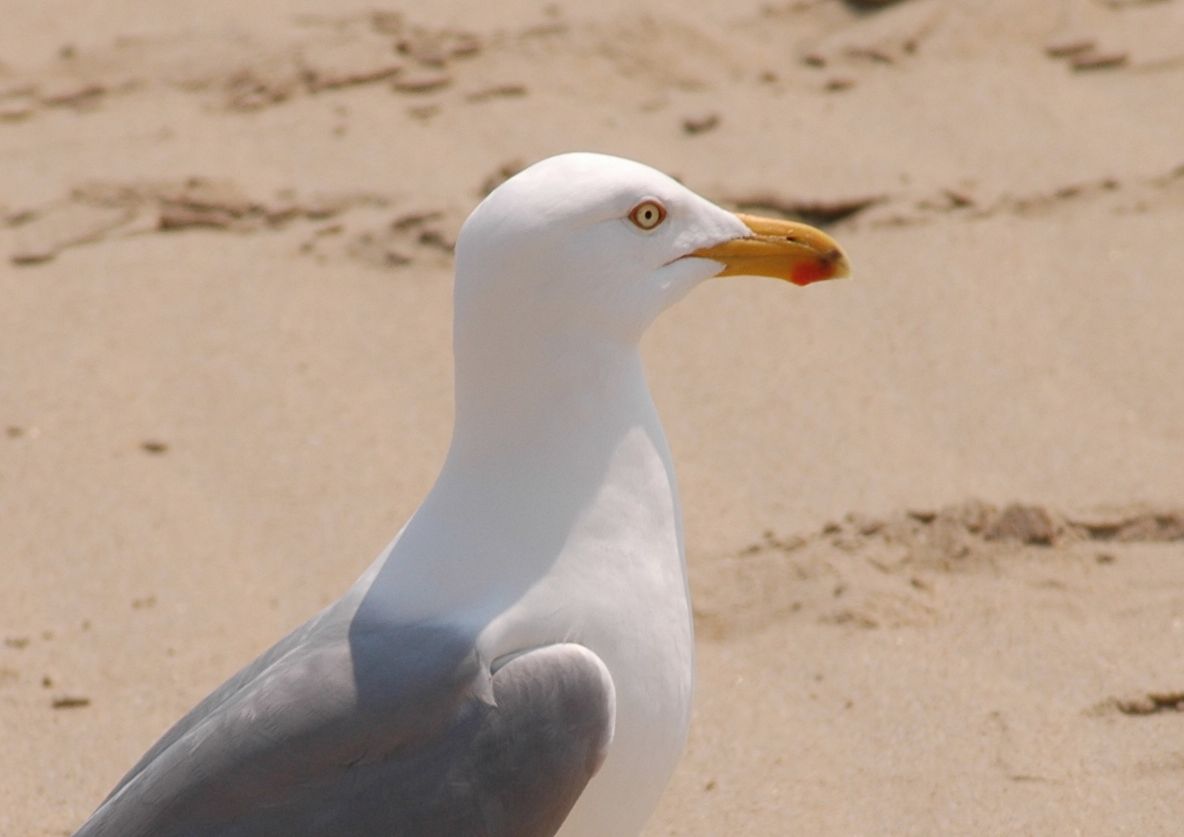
(393, 731)
(333, 621)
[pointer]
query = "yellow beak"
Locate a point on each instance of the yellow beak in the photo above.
(786, 250)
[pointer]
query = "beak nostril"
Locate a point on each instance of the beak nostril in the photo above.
(831, 256)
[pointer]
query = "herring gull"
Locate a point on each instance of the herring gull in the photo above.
(518, 662)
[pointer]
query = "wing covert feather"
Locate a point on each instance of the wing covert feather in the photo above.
(358, 740)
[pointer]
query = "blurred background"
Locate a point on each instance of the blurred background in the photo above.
(932, 513)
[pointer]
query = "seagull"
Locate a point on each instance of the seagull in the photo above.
(519, 661)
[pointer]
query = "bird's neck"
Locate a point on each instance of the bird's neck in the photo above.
(568, 396)
(548, 455)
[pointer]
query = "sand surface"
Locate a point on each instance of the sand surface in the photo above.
(933, 514)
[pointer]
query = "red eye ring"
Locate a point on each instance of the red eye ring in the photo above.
(647, 215)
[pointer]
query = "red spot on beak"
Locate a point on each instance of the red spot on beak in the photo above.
(804, 273)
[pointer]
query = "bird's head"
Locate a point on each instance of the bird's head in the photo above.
(588, 243)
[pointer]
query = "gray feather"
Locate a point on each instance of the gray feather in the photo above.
(365, 728)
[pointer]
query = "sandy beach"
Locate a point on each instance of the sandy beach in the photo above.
(934, 514)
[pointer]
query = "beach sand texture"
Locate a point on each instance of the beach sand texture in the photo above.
(934, 514)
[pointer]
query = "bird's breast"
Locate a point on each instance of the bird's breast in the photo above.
(619, 588)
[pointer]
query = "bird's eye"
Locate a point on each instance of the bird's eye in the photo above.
(647, 214)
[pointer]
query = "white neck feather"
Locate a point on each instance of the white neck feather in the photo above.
(536, 436)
